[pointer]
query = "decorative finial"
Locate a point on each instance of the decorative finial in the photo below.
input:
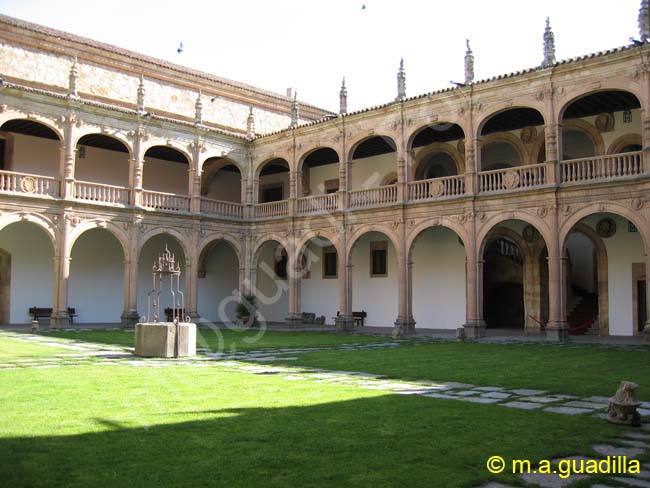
(644, 21)
(401, 82)
(294, 110)
(250, 125)
(73, 80)
(549, 46)
(198, 114)
(469, 64)
(140, 102)
(343, 99)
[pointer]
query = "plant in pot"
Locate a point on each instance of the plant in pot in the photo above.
(247, 311)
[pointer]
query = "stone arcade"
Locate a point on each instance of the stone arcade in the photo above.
(519, 201)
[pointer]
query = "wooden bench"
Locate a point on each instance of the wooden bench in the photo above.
(39, 313)
(169, 314)
(359, 317)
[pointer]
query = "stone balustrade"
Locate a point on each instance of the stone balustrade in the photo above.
(601, 167)
(169, 202)
(221, 208)
(99, 193)
(515, 178)
(317, 204)
(449, 186)
(373, 197)
(41, 186)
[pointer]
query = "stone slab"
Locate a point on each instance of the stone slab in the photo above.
(590, 405)
(633, 443)
(637, 435)
(465, 392)
(527, 392)
(542, 399)
(477, 400)
(523, 405)
(489, 388)
(159, 339)
(496, 394)
(440, 395)
(609, 450)
(567, 410)
(632, 481)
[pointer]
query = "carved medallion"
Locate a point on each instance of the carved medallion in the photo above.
(605, 123)
(542, 212)
(530, 234)
(28, 184)
(436, 188)
(637, 204)
(511, 180)
(606, 227)
(528, 135)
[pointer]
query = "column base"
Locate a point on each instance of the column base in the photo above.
(59, 319)
(129, 319)
(646, 332)
(403, 326)
(344, 322)
(474, 329)
(294, 320)
(557, 332)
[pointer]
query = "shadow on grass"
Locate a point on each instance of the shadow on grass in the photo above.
(380, 441)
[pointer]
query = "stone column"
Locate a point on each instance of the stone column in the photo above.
(68, 154)
(60, 316)
(293, 191)
(645, 114)
(344, 320)
(474, 325)
(130, 315)
(557, 328)
(344, 183)
(194, 177)
(402, 175)
(294, 274)
(472, 165)
(404, 324)
(136, 167)
(191, 286)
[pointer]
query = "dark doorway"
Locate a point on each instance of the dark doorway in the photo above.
(641, 304)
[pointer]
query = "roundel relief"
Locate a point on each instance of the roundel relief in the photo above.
(511, 179)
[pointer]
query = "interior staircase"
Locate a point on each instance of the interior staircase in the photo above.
(583, 314)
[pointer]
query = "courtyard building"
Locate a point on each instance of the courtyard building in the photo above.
(516, 202)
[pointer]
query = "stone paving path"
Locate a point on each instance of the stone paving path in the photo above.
(632, 444)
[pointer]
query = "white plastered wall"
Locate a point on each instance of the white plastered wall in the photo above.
(36, 155)
(274, 180)
(370, 172)
(96, 284)
(165, 176)
(150, 251)
(32, 269)
(226, 186)
(271, 293)
(319, 175)
(376, 296)
(217, 291)
(319, 295)
(103, 166)
(438, 280)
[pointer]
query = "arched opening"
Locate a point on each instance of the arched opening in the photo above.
(165, 170)
(30, 147)
(508, 136)
(373, 159)
(515, 277)
(606, 276)
(438, 150)
(96, 284)
(439, 297)
(320, 172)
(27, 278)
(221, 180)
(593, 121)
(273, 181)
(149, 253)
(271, 287)
(319, 279)
(102, 159)
(374, 278)
(218, 282)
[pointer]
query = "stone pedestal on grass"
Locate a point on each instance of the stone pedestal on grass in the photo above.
(158, 339)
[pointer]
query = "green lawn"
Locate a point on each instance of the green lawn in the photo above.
(180, 426)
(231, 339)
(577, 369)
(17, 349)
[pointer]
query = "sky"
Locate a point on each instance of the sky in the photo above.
(310, 45)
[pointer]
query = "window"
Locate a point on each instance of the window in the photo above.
(378, 259)
(281, 262)
(273, 193)
(329, 263)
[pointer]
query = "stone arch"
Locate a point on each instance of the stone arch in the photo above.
(433, 123)
(219, 155)
(180, 238)
(260, 166)
(301, 160)
(112, 228)
(589, 130)
(605, 85)
(437, 148)
(624, 140)
(48, 227)
(208, 244)
(268, 238)
(167, 143)
(359, 232)
(505, 107)
(302, 244)
(51, 124)
(360, 139)
(220, 162)
(538, 223)
(112, 135)
(505, 137)
(422, 227)
(614, 208)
